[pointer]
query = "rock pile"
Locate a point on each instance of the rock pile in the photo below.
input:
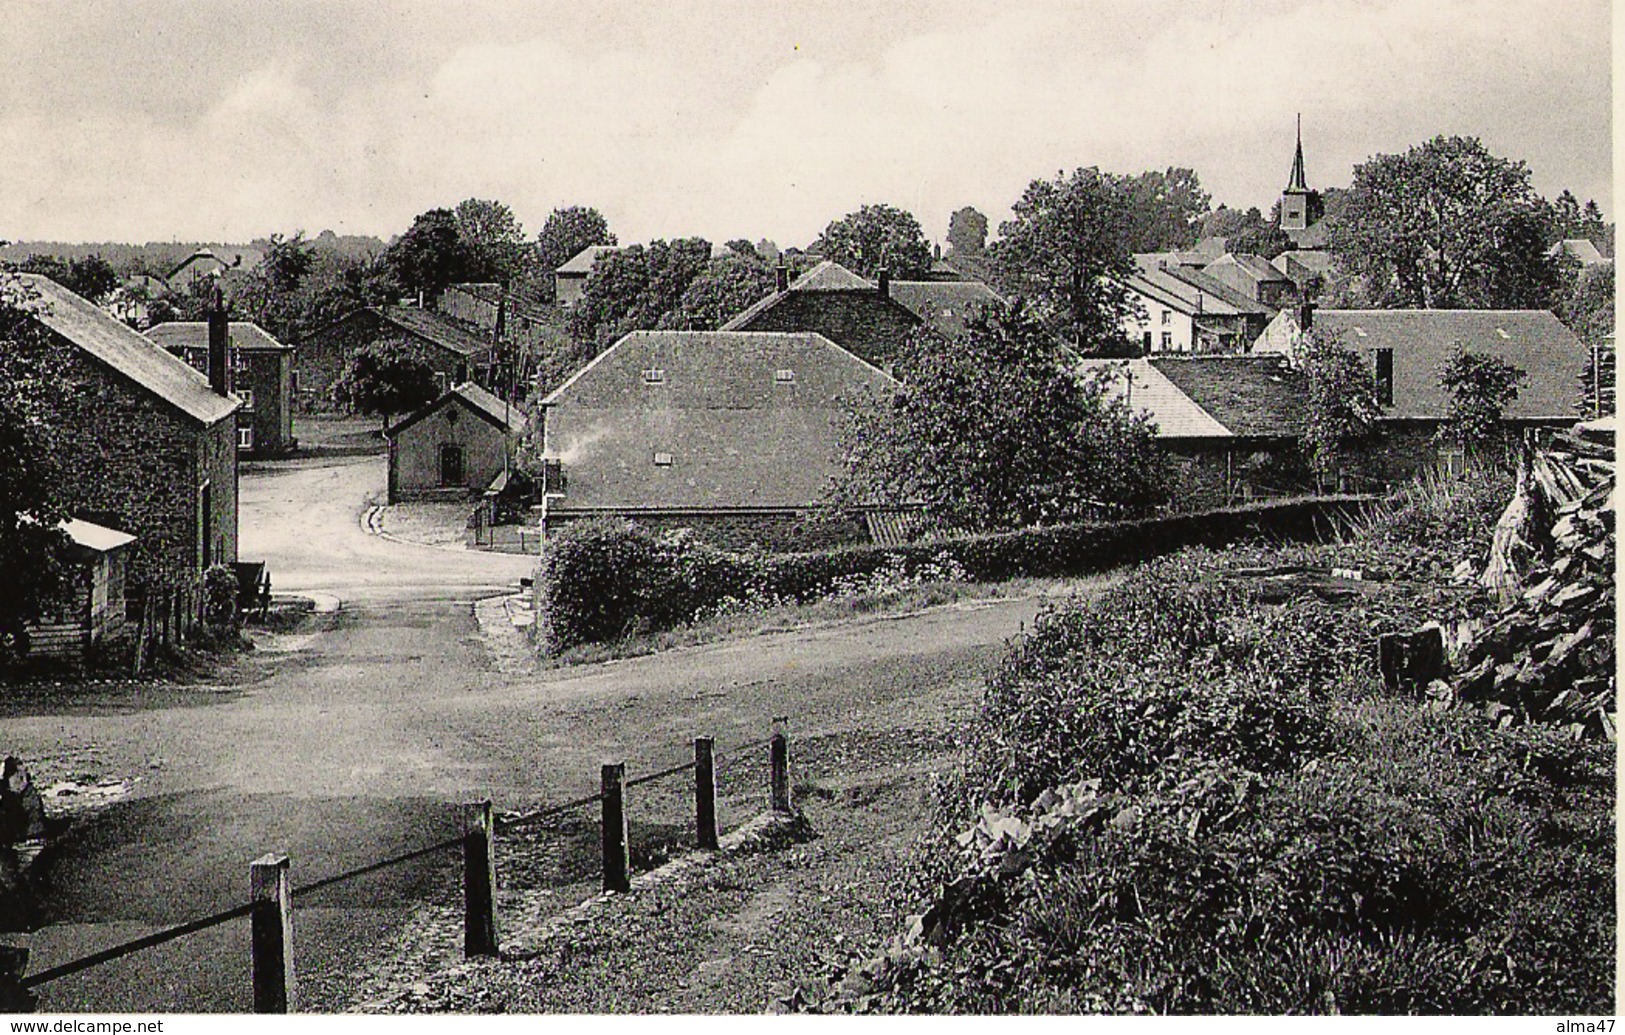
(1548, 654)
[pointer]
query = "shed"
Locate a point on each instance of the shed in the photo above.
(454, 447)
(93, 615)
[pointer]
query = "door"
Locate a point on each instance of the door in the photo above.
(451, 465)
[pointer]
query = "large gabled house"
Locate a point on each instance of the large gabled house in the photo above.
(736, 434)
(261, 376)
(1181, 309)
(859, 315)
(453, 448)
(147, 446)
(455, 351)
(1407, 350)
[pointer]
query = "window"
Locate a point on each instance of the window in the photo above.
(239, 361)
(1167, 317)
(784, 377)
(451, 465)
(1167, 339)
(293, 380)
(247, 396)
(1385, 377)
(245, 438)
(654, 376)
(662, 459)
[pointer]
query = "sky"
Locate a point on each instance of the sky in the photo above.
(225, 120)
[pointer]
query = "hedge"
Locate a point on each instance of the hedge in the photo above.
(602, 580)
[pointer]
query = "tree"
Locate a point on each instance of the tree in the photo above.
(1480, 388)
(1266, 240)
(384, 378)
(430, 255)
(967, 233)
(997, 432)
(495, 241)
(1065, 251)
(565, 233)
(90, 276)
(1442, 226)
(1340, 408)
(726, 287)
(1165, 209)
(34, 566)
(877, 237)
(633, 288)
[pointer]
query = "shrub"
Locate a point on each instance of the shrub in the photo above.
(220, 599)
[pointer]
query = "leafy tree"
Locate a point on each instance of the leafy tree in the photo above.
(287, 261)
(1066, 252)
(430, 255)
(384, 378)
(565, 233)
(997, 432)
(877, 237)
(967, 233)
(1266, 240)
(495, 240)
(1480, 388)
(1165, 209)
(726, 287)
(633, 288)
(1442, 226)
(744, 249)
(1340, 409)
(1588, 310)
(34, 566)
(89, 276)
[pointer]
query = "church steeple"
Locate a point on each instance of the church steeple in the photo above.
(1295, 199)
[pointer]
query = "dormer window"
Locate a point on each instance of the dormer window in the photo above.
(654, 376)
(784, 377)
(662, 459)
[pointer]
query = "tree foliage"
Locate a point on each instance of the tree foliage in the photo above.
(1165, 209)
(877, 237)
(997, 432)
(89, 276)
(1341, 407)
(726, 287)
(563, 235)
(430, 255)
(1066, 252)
(633, 288)
(385, 378)
(967, 233)
(1480, 388)
(1446, 225)
(34, 565)
(498, 248)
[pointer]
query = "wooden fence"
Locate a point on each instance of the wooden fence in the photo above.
(272, 892)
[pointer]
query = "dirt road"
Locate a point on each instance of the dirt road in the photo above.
(357, 741)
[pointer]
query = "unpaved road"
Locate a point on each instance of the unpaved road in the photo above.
(358, 742)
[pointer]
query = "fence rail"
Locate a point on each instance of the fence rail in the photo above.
(272, 894)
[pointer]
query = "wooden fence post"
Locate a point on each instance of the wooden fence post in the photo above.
(479, 881)
(14, 998)
(617, 851)
(779, 758)
(705, 792)
(271, 925)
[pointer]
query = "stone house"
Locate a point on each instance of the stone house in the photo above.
(570, 279)
(858, 315)
(146, 444)
(1407, 350)
(944, 305)
(453, 448)
(261, 376)
(521, 328)
(1230, 425)
(1181, 309)
(1254, 277)
(735, 434)
(94, 615)
(455, 351)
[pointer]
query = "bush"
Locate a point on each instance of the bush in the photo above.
(220, 599)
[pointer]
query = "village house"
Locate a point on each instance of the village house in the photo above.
(1181, 309)
(1230, 425)
(860, 316)
(455, 351)
(453, 448)
(146, 445)
(93, 617)
(522, 330)
(944, 305)
(735, 434)
(211, 262)
(1407, 350)
(261, 376)
(1254, 277)
(570, 279)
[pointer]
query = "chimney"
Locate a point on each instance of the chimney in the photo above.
(936, 252)
(219, 352)
(884, 277)
(1306, 317)
(781, 276)
(1198, 303)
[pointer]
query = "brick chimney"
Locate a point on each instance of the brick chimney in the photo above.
(1306, 317)
(883, 275)
(219, 349)
(781, 277)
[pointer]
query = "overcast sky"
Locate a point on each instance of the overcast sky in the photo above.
(228, 119)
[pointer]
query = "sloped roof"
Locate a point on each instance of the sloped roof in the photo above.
(1145, 261)
(472, 397)
(943, 304)
(1255, 266)
(128, 352)
(1148, 390)
(1533, 340)
(227, 258)
(580, 263)
(487, 291)
(1252, 396)
(194, 334)
(1309, 260)
(749, 419)
(95, 537)
(826, 278)
(1179, 294)
(1212, 287)
(1581, 249)
(433, 327)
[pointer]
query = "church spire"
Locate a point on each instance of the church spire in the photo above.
(1298, 181)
